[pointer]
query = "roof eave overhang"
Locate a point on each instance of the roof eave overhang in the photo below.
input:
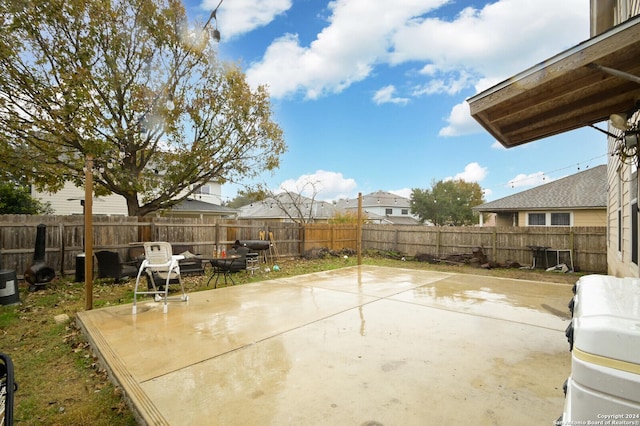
(521, 209)
(570, 90)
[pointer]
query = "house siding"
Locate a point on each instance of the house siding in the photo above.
(506, 219)
(595, 217)
(622, 182)
(582, 217)
(622, 192)
(67, 202)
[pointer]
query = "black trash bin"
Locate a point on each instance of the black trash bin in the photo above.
(9, 292)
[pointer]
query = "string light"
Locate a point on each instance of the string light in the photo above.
(543, 175)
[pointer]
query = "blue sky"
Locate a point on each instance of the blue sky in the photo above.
(371, 94)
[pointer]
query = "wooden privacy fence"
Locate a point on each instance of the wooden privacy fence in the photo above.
(587, 244)
(65, 238)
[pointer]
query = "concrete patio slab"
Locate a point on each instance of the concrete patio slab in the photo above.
(361, 345)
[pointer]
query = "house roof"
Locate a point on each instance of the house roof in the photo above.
(197, 206)
(404, 220)
(383, 198)
(581, 86)
(282, 206)
(587, 189)
(271, 208)
(375, 199)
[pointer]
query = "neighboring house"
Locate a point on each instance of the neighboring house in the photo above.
(383, 208)
(378, 207)
(70, 200)
(289, 207)
(200, 209)
(576, 200)
(597, 80)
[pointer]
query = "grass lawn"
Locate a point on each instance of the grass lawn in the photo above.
(60, 381)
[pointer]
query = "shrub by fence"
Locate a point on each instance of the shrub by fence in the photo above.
(65, 236)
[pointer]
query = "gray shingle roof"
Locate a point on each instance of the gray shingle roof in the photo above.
(286, 206)
(586, 189)
(190, 205)
(375, 199)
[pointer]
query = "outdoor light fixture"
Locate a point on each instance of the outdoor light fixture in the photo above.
(170, 105)
(619, 121)
(631, 138)
(216, 33)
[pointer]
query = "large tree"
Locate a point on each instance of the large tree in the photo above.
(247, 196)
(134, 85)
(448, 202)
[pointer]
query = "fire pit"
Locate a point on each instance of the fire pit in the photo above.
(38, 274)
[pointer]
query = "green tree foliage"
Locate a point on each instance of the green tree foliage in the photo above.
(247, 197)
(16, 199)
(347, 218)
(134, 85)
(447, 202)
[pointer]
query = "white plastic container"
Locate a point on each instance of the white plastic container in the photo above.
(604, 386)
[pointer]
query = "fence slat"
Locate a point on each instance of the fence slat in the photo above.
(65, 239)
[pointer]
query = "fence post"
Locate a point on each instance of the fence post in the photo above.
(572, 253)
(88, 233)
(359, 230)
(62, 247)
(494, 247)
(217, 239)
(302, 236)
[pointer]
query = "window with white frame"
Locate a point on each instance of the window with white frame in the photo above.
(388, 211)
(405, 211)
(536, 219)
(549, 219)
(204, 189)
(560, 219)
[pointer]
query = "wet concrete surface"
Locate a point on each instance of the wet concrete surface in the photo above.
(356, 346)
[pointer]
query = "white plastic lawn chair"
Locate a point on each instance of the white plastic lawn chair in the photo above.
(159, 259)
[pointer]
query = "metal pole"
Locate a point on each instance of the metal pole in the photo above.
(616, 73)
(359, 230)
(88, 232)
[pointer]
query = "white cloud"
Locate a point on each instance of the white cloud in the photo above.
(344, 52)
(497, 145)
(532, 179)
(472, 50)
(450, 83)
(473, 172)
(460, 122)
(404, 192)
(241, 16)
(500, 39)
(386, 95)
(328, 186)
